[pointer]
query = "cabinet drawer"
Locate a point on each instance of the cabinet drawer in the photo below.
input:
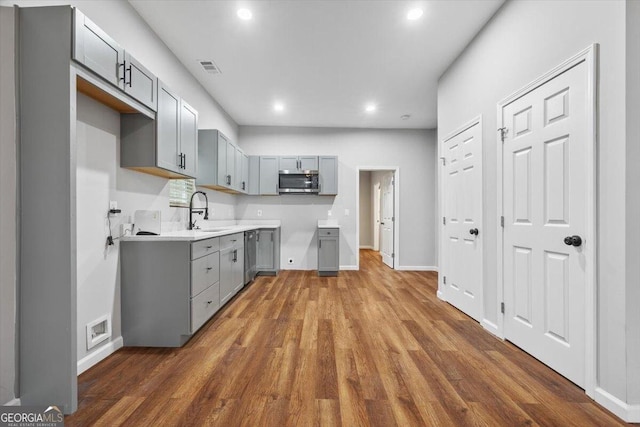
(231, 240)
(333, 232)
(204, 247)
(204, 272)
(204, 306)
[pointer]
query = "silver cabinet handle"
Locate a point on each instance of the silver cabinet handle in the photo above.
(209, 247)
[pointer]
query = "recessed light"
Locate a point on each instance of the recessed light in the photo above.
(370, 108)
(414, 14)
(244, 14)
(278, 106)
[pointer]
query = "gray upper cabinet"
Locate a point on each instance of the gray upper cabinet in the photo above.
(101, 54)
(189, 138)
(97, 51)
(297, 163)
(167, 146)
(221, 163)
(244, 184)
(269, 175)
(328, 176)
(254, 175)
(140, 83)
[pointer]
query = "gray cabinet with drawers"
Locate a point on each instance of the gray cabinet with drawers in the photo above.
(169, 290)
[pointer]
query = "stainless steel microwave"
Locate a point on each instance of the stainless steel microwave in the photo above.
(298, 183)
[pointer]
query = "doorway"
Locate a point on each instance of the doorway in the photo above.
(377, 227)
(547, 202)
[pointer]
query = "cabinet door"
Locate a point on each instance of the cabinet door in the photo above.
(97, 51)
(188, 138)
(226, 274)
(328, 175)
(269, 175)
(265, 250)
(308, 163)
(238, 269)
(244, 185)
(237, 177)
(328, 254)
(223, 146)
(168, 122)
(140, 83)
(231, 165)
(254, 175)
(288, 163)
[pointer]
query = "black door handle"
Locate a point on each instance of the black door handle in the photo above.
(474, 231)
(573, 241)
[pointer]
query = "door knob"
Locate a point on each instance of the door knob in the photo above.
(573, 241)
(474, 231)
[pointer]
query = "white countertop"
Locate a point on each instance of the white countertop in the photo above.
(194, 235)
(328, 223)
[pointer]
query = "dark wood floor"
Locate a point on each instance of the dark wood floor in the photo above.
(374, 347)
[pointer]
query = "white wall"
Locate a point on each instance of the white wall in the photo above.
(366, 210)
(412, 151)
(7, 208)
(524, 40)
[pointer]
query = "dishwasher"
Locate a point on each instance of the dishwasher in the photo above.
(250, 250)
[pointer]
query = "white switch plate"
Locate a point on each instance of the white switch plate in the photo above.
(346, 212)
(259, 212)
(329, 213)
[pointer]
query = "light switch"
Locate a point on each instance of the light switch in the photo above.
(329, 213)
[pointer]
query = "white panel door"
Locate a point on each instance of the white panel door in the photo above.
(386, 226)
(544, 182)
(462, 187)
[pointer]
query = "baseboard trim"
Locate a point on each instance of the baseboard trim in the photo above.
(628, 413)
(366, 247)
(417, 268)
(13, 402)
(491, 327)
(349, 267)
(99, 355)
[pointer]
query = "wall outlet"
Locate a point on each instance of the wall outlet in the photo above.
(113, 205)
(290, 260)
(329, 213)
(259, 212)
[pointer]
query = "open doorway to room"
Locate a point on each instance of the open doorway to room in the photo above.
(377, 213)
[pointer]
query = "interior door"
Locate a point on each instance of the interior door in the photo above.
(544, 184)
(462, 226)
(387, 224)
(376, 217)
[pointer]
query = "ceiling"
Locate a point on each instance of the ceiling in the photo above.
(324, 61)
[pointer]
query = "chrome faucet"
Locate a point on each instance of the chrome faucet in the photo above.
(192, 223)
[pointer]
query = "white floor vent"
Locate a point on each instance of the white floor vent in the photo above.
(99, 330)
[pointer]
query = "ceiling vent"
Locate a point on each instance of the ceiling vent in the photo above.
(209, 66)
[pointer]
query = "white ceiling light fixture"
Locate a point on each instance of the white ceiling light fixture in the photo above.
(245, 14)
(279, 107)
(370, 108)
(414, 14)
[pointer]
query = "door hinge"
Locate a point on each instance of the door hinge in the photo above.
(393, 255)
(393, 218)
(502, 221)
(502, 307)
(444, 280)
(444, 160)
(503, 133)
(444, 220)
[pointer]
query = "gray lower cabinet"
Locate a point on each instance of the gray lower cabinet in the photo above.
(268, 251)
(231, 266)
(169, 289)
(328, 251)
